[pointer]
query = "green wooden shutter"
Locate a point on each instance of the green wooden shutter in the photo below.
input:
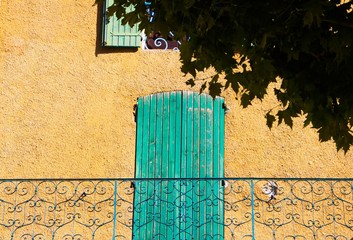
(115, 34)
(179, 135)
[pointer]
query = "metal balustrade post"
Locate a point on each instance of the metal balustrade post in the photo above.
(114, 216)
(252, 209)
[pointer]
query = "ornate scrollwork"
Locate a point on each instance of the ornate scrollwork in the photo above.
(176, 208)
(158, 42)
(66, 209)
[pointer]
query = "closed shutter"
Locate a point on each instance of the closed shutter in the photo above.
(179, 135)
(115, 34)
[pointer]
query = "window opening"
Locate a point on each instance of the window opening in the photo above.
(179, 150)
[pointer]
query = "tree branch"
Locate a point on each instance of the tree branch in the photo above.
(344, 24)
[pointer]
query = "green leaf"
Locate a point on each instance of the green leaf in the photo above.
(284, 115)
(307, 121)
(227, 84)
(308, 19)
(235, 87)
(270, 119)
(203, 87)
(324, 134)
(245, 100)
(215, 89)
(190, 82)
(188, 3)
(215, 78)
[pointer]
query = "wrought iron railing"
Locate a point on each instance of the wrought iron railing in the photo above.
(157, 42)
(106, 209)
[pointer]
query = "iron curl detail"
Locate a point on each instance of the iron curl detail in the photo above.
(176, 208)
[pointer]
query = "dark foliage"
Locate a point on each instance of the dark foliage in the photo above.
(307, 43)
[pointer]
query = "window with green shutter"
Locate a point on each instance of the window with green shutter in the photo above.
(115, 34)
(180, 145)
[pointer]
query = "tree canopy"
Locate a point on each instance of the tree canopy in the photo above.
(307, 43)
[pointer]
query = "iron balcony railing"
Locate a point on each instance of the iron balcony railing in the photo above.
(72, 209)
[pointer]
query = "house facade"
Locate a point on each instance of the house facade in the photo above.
(67, 104)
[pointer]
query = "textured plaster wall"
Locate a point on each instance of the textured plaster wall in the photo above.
(66, 105)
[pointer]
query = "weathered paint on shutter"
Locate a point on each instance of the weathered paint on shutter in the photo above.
(179, 135)
(115, 34)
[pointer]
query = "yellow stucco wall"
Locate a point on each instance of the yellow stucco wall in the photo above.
(66, 104)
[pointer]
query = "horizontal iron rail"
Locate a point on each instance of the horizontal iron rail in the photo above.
(165, 179)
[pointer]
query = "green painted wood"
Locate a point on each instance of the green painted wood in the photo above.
(218, 132)
(179, 135)
(115, 34)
